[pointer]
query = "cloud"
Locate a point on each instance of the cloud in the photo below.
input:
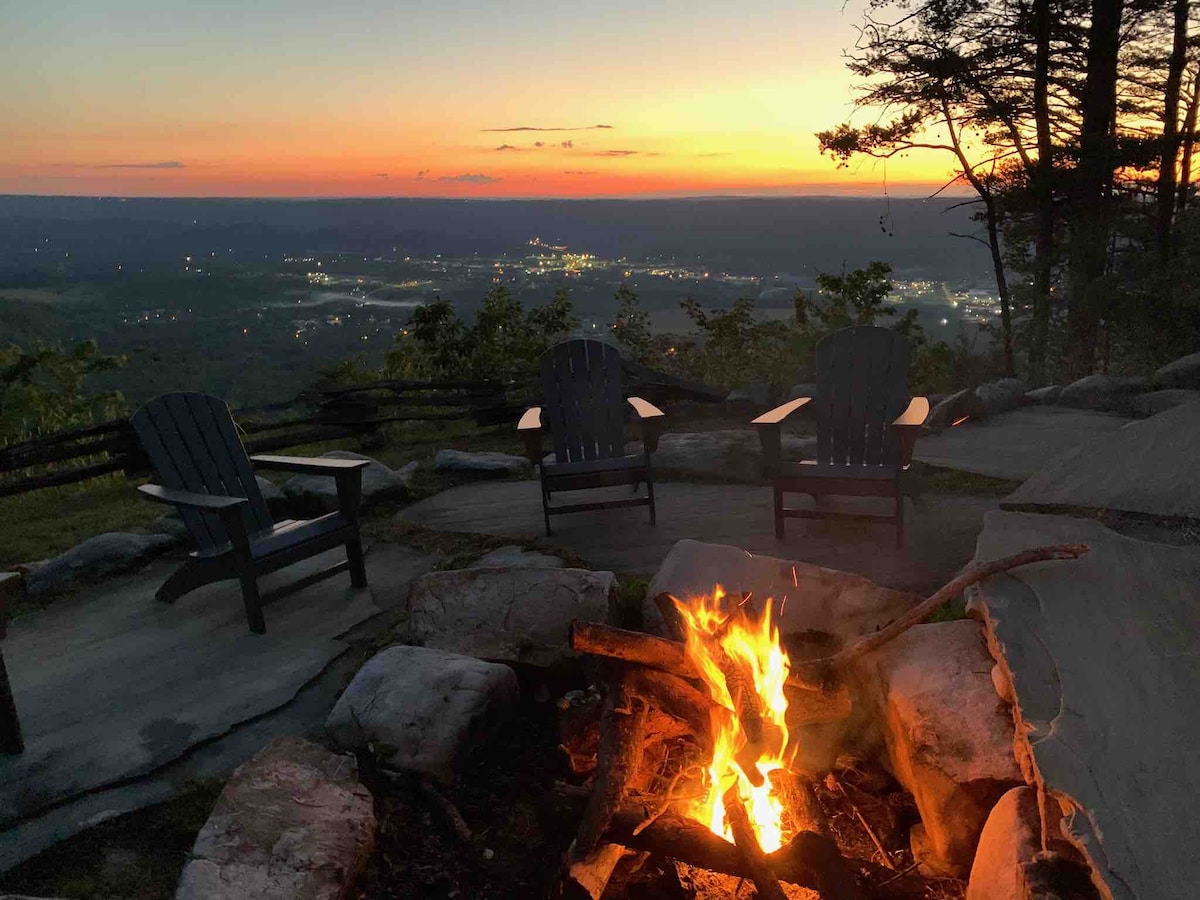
(615, 153)
(468, 178)
(711, 155)
(508, 147)
(535, 128)
(539, 143)
(381, 174)
(166, 164)
(580, 172)
(567, 145)
(421, 174)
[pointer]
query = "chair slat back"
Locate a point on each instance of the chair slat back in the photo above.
(194, 446)
(862, 386)
(581, 386)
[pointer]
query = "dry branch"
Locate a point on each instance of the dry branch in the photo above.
(632, 646)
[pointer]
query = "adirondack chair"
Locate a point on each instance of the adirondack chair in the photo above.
(867, 424)
(581, 386)
(194, 446)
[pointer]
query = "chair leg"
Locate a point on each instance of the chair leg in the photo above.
(253, 603)
(650, 494)
(11, 741)
(900, 520)
(358, 571)
(191, 575)
(778, 514)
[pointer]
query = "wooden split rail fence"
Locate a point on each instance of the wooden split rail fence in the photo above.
(320, 414)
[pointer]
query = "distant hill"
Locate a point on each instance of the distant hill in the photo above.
(742, 235)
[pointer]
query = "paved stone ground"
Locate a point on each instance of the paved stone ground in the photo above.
(941, 529)
(123, 699)
(1017, 443)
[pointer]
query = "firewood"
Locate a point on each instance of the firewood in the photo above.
(802, 861)
(677, 698)
(747, 843)
(589, 877)
(622, 727)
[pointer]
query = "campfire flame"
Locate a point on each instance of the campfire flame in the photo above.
(738, 652)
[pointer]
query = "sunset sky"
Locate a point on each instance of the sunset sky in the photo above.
(455, 98)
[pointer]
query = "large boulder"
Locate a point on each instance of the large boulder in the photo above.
(422, 709)
(1048, 394)
(97, 557)
(1182, 373)
(1109, 393)
(1010, 838)
(483, 463)
(806, 389)
(514, 615)
(1000, 396)
(292, 822)
(949, 737)
(318, 493)
(753, 394)
(822, 601)
(1155, 402)
(519, 557)
(963, 404)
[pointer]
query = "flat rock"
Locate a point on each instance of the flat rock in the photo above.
(318, 493)
(1002, 395)
(293, 822)
(480, 463)
(1105, 664)
(1182, 373)
(1048, 394)
(820, 600)
(949, 737)
(734, 454)
(513, 555)
(422, 709)
(514, 615)
(1103, 392)
(951, 409)
(1011, 837)
(1147, 467)
(1155, 402)
(1016, 444)
(97, 557)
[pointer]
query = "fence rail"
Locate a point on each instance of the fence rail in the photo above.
(319, 414)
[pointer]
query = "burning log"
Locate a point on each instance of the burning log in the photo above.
(622, 727)
(804, 861)
(752, 854)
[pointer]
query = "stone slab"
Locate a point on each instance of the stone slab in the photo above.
(1017, 443)
(1151, 467)
(514, 556)
(1104, 655)
(112, 684)
(733, 454)
(940, 530)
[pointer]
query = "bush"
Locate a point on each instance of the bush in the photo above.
(41, 390)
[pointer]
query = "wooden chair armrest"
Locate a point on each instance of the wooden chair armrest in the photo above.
(203, 502)
(530, 429)
(908, 427)
(644, 408)
(309, 465)
(781, 412)
(916, 413)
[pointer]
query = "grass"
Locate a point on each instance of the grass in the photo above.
(137, 856)
(936, 480)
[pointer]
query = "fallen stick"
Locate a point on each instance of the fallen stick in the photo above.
(747, 843)
(887, 859)
(447, 809)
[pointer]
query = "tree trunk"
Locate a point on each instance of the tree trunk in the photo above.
(1093, 186)
(1043, 193)
(1167, 184)
(1189, 142)
(993, 233)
